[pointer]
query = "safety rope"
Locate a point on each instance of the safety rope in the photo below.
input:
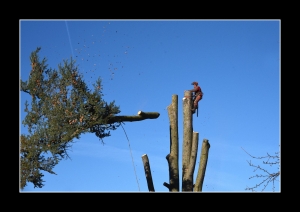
(132, 159)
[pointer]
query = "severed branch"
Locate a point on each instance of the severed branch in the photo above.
(148, 173)
(141, 116)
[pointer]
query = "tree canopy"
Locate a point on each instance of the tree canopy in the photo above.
(62, 108)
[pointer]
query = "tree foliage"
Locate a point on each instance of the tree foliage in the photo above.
(265, 175)
(62, 108)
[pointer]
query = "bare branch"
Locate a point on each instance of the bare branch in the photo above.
(267, 176)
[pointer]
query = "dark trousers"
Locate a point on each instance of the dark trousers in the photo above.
(196, 100)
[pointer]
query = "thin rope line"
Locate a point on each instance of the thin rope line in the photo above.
(132, 159)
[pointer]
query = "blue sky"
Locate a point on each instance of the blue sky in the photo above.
(142, 63)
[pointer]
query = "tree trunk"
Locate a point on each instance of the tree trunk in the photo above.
(141, 116)
(187, 138)
(191, 167)
(202, 166)
(148, 173)
(189, 152)
(172, 158)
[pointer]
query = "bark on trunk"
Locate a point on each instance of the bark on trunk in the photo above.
(172, 158)
(189, 177)
(187, 137)
(202, 166)
(148, 173)
(141, 116)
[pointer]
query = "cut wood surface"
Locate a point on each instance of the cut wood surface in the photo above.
(139, 117)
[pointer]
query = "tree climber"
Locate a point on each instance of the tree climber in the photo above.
(197, 96)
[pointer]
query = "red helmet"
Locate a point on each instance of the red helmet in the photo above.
(196, 83)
